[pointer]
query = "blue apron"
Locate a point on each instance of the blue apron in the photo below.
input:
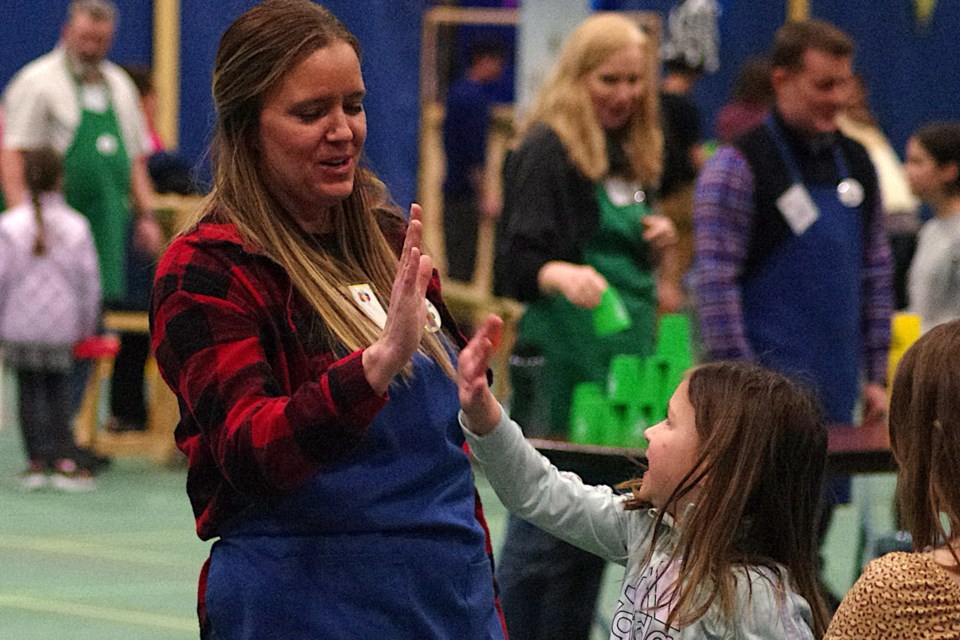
(801, 309)
(384, 544)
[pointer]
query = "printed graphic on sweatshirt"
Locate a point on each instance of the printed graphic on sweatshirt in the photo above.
(644, 607)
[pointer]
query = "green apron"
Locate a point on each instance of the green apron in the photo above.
(563, 333)
(96, 170)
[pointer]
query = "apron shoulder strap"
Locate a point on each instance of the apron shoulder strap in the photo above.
(770, 180)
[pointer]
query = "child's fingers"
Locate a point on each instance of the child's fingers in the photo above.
(473, 359)
(497, 336)
(491, 330)
(472, 367)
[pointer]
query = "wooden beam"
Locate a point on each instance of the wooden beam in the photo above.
(798, 9)
(166, 69)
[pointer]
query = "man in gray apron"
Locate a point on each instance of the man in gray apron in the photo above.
(86, 108)
(792, 264)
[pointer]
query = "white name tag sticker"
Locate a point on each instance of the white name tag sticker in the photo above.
(619, 191)
(798, 208)
(363, 295)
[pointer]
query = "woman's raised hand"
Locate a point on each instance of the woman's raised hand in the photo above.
(581, 284)
(659, 231)
(407, 314)
(480, 408)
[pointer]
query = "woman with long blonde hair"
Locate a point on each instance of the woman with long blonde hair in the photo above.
(576, 223)
(314, 370)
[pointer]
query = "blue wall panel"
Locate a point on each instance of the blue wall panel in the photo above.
(201, 29)
(913, 71)
(35, 28)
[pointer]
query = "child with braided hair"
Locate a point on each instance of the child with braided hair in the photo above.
(49, 301)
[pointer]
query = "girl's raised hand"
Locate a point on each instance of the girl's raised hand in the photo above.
(481, 409)
(407, 314)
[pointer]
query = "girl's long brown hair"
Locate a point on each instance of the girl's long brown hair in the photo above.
(255, 54)
(925, 436)
(762, 456)
(41, 171)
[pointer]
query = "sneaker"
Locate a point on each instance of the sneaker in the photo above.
(34, 478)
(87, 459)
(67, 476)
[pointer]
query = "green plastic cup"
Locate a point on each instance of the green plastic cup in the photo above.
(609, 427)
(586, 408)
(673, 339)
(624, 379)
(610, 316)
(635, 423)
(655, 391)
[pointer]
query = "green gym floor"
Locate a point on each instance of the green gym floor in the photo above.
(121, 562)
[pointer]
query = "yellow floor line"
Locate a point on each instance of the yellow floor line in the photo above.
(97, 612)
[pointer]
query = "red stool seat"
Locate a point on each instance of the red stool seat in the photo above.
(96, 347)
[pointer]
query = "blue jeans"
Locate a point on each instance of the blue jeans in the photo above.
(548, 588)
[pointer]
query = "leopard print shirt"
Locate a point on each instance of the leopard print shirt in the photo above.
(901, 596)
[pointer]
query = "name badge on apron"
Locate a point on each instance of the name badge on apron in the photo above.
(368, 302)
(107, 144)
(433, 318)
(798, 208)
(622, 192)
(850, 192)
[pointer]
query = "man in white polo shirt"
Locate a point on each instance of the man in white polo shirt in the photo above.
(87, 108)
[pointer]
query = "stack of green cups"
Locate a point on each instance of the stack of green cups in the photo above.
(652, 392)
(634, 425)
(638, 389)
(624, 379)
